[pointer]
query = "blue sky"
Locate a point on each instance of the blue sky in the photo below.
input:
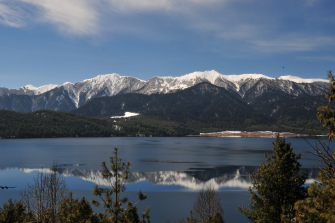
(55, 41)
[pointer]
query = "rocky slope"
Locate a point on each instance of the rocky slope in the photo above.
(251, 88)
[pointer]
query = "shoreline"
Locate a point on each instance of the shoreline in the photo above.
(265, 134)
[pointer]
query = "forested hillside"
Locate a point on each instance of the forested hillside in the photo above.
(201, 108)
(46, 123)
(206, 108)
(49, 124)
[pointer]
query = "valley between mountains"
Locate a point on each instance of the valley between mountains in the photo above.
(167, 106)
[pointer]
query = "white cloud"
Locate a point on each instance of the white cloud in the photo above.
(292, 43)
(70, 16)
(226, 20)
(84, 17)
(324, 58)
(165, 5)
(11, 15)
(241, 31)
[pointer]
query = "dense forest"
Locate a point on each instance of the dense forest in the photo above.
(52, 124)
(48, 124)
(208, 108)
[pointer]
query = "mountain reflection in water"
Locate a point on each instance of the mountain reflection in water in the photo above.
(224, 177)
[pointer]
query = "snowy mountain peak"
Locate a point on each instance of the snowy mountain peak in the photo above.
(39, 90)
(29, 87)
(301, 80)
(103, 77)
(77, 94)
(211, 76)
(237, 78)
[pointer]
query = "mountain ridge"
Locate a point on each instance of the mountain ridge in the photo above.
(68, 96)
(232, 78)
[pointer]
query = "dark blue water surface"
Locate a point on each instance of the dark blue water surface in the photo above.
(171, 171)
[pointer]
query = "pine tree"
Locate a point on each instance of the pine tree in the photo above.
(73, 210)
(326, 115)
(320, 204)
(276, 186)
(14, 211)
(117, 175)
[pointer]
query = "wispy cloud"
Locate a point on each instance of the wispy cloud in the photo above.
(264, 27)
(74, 17)
(11, 15)
(165, 5)
(293, 43)
(322, 58)
(83, 17)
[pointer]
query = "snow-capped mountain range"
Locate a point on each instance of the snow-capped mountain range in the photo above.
(70, 96)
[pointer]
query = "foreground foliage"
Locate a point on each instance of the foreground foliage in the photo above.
(44, 197)
(276, 186)
(14, 211)
(117, 175)
(320, 205)
(208, 207)
(73, 210)
(46, 200)
(326, 114)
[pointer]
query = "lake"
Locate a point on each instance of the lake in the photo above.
(171, 171)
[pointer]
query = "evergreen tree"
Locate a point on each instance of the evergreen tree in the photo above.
(319, 206)
(117, 175)
(73, 210)
(326, 115)
(217, 218)
(276, 186)
(14, 212)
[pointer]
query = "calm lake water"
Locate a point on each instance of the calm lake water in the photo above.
(171, 171)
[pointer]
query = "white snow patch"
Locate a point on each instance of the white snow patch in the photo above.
(237, 78)
(126, 115)
(60, 98)
(104, 77)
(310, 181)
(40, 90)
(30, 87)
(211, 76)
(301, 80)
(66, 83)
(230, 132)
